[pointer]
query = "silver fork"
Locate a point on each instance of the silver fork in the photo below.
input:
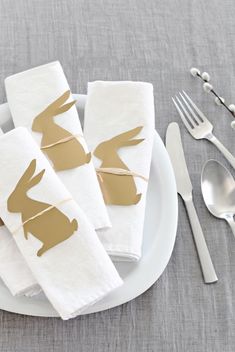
(198, 125)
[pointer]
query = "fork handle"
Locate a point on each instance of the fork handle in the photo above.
(223, 150)
(207, 266)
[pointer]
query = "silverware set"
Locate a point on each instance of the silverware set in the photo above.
(198, 125)
(217, 183)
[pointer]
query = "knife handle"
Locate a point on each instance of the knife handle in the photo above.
(207, 266)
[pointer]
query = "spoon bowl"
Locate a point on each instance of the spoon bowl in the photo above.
(218, 190)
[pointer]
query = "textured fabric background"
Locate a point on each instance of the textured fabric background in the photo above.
(156, 41)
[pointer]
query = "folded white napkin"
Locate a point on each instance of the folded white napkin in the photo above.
(14, 271)
(113, 108)
(75, 272)
(28, 94)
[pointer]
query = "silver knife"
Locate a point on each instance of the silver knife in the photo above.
(185, 189)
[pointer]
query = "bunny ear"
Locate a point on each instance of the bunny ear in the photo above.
(60, 101)
(28, 173)
(124, 137)
(36, 179)
(133, 142)
(52, 109)
(64, 108)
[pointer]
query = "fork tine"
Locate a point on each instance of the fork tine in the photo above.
(190, 119)
(187, 125)
(190, 109)
(202, 116)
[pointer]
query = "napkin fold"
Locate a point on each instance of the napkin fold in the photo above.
(29, 93)
(14, 271)
(121, 114)
(69, 262)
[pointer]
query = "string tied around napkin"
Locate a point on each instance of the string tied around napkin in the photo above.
(118, 191)
(63, 140)
(72, 154)
(41, 213)
(119, 172)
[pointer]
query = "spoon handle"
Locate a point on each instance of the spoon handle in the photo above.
(232, 225)
(207, 266)
(223, 150)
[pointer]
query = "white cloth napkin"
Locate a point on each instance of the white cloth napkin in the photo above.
(75, 273)
(111, 109)
(28, 94)
(14, 271)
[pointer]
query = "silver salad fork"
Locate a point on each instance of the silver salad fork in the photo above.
(198, 125)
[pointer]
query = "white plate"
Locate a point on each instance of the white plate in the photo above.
(159, 238)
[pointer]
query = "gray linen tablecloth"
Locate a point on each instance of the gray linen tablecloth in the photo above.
(155, 41)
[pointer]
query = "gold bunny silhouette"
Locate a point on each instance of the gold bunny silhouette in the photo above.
(64, 155)
(50, 227)
(117, 189)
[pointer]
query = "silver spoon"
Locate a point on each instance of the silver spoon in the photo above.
(218, 190)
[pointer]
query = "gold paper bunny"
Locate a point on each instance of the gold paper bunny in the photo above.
(50, 227)
(117, 189)
(64, 155)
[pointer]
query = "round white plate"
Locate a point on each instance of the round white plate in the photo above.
(159, 238)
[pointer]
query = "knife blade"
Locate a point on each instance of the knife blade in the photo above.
(175, 150)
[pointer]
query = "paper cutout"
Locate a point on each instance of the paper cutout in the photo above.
(62, 148)
(51, 227)
(117, 189)
(39, 214)
(1, 222)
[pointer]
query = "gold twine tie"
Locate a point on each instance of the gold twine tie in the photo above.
(40, 213)
(63, 140)
(119, 171)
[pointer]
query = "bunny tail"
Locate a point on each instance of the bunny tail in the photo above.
(74, 224)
